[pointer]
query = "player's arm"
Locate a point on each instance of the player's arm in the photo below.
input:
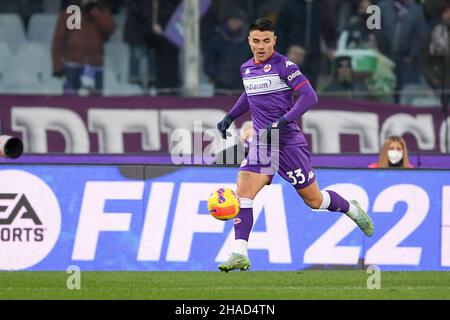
(307, 96)
(240, 107)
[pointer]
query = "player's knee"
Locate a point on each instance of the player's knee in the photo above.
(313, 203)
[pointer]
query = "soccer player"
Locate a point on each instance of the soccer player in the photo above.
(270, 80)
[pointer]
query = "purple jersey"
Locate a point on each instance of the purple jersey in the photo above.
(269, 86)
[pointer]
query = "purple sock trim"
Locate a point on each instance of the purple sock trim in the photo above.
(337, 203)
(243, 224)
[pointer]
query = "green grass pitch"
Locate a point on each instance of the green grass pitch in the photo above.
(256, 285)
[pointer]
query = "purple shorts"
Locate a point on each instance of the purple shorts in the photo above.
(293, 164)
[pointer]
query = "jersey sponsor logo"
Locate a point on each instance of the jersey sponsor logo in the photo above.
(294, 75)
(247, 71)
(264, 84)
(289, 63)
(267, 68)
(261, 85)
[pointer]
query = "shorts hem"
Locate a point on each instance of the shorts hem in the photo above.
(307, 184)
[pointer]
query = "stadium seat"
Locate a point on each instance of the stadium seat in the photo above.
(12, 30)
(205, 90)
(117, 36)
(5, 56)
(418, 95)
(112, 86)
(423, 102)
(21, 82)
(41, 27)
(34, 57)
(117, 58)
(52, 85)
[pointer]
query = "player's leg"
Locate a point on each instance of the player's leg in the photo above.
(295, 167)
(326, 199)
(248, 185)
(332, 201)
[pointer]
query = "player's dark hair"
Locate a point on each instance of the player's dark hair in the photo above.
(262, 24)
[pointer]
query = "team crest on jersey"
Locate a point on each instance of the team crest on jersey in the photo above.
(289, 63)
(267, 68)
(247, 71)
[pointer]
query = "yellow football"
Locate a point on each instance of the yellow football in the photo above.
(223, 204)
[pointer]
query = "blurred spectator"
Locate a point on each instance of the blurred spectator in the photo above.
(140, 18)
(167, 66)
(393, 154)
(237, 153)
(342, 11)
(432, 10)
(303, 23)
(51, 6)
(296, 54)
(373, 68)
(78, 54)
(435, 55)
(345, 85)
(114, 5)
(382, 82)
(358, 36)
(402, 31)
(220, 10)
(227, 50)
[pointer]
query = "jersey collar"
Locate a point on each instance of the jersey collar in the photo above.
(260, 63)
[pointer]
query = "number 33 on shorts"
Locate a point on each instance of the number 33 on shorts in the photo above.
(298, 177)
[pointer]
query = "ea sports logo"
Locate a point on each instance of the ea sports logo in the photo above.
(30, 220)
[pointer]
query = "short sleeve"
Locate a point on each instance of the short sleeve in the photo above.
(292, 75)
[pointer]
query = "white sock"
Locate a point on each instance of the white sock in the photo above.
(240, 246)
(353, 211)
(246, 203)
(326, 200)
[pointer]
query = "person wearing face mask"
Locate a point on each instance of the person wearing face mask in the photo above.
(235, 154)
(394, 154)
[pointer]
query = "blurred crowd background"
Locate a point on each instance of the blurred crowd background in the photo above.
(125, 47)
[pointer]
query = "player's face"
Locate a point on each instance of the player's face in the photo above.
(262, 44)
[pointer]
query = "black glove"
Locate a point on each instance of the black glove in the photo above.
(223, 125)
(58, 73)
(279, 125)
